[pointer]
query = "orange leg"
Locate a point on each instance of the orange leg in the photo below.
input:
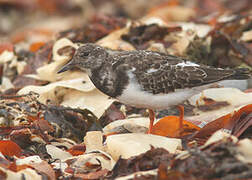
(152, 118)
(181, 115)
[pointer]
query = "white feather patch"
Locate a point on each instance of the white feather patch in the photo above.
(187, 63)
(133, 95)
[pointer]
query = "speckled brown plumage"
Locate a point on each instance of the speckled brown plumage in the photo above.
(155, 72)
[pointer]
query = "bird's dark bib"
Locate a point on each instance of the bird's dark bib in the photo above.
(109, 82)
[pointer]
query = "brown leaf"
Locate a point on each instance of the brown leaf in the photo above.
(232, 122)
(22, 137)
(146, 161)
(140, 35)
(97, 27)
(92, 175)
(44, 168)
(215, 161)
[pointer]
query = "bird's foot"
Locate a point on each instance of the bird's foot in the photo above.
(152, 118)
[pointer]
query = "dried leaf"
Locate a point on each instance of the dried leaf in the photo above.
(44, 168)
(36, 46)
(9, 148)
(140, 35)
(93, 175)
(215, 161)
(169, 126)
(228, 122)
(6, 47)
(77, 150)
(143, 162)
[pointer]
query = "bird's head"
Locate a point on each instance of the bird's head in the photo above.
(87, 57)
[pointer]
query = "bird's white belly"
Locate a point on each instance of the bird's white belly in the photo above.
(134, 96)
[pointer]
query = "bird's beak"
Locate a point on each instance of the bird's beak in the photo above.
(66, 67)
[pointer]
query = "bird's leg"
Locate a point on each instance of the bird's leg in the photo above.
(152, 118)
(181, 115)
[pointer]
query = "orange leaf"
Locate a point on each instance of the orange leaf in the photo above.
(169, 126)
(36, 46)
(9, 148)
(170, 3)
(18, 37)
(212, 22)
(246, 109)
(17, 168)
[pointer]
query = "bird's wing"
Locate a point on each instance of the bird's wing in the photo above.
(167, 73)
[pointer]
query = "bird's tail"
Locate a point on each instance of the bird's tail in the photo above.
(241, 73)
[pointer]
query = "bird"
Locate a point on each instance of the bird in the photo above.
(147, 79)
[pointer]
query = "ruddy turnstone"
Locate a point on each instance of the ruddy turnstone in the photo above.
(147, 79)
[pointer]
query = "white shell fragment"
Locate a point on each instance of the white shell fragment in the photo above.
(114, 41)
(201, 30)
(28, 174)
(94, 100)
(128, 145)
(57, 153)
(97, 158)
(48, 72)
(142, 122)
(6, 84)
(59, 166)
(29, 160)
(6, 56)
(233, 96)
(61, 43)
(245, 147)
(72, 83)
(75, 93)
(219, 135)
(234, 99)
(247, 36)
(93, 141)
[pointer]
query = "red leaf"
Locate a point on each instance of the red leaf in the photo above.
(9, 148)
(78, 149)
